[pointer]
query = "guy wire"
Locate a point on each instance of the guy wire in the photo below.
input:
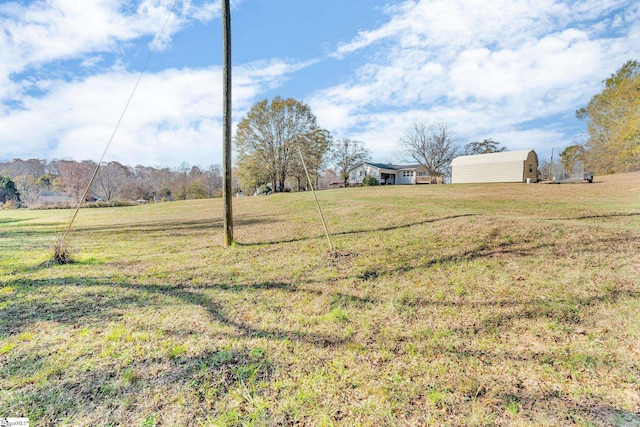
(113, 134)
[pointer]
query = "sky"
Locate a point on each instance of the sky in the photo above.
(511, 70)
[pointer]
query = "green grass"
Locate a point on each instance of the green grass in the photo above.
(444, 305)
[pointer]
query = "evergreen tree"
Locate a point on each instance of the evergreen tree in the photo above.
(8, 191)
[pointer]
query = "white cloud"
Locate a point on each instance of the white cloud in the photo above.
(174, 116)
(51, 30)
(492, 68)
(489, 67)
(91, 61)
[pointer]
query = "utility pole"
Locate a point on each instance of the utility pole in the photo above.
(226, 125)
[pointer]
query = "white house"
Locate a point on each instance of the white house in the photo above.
(505, 166)
(388, 174)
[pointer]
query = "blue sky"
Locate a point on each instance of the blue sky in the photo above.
(511, 70)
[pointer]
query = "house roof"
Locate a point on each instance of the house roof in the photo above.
(380, 165)
(390, 166)
(503, 156)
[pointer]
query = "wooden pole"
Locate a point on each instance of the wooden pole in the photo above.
(226, 128)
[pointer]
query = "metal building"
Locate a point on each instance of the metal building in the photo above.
(506, 166)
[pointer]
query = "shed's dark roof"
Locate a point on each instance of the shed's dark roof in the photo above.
(391, 166)
(381, 165)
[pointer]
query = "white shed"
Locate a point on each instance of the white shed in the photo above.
(506, 166)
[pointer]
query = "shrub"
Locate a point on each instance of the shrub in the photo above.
(369, 180)
(9, 204)
(109, 204)
(263, 190)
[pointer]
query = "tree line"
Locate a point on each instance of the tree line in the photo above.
(273, 143)
(39, 182)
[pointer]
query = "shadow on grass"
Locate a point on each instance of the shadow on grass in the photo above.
(83, 303)
(143, 227)
(96, 304)
(12, 220)
(546, 307)
(80, 306)
(171, 225)
(207, 377)
(97, 392)
(204, 379)
(359, 231)
(595, 411)
(562, 409)
(491, 249)
(565, 311)
(603, 216)
(215, 309)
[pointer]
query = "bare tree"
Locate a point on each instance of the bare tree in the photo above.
(161, 181)
(346, 154)
(484, 147)
(432, 145)
(213, 181)
(75, 176)
(181, 181)
(31, 167)
(111, 180)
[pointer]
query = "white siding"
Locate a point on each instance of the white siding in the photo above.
(508, 166)
(358, 173)
(394, 174)
(405, 177)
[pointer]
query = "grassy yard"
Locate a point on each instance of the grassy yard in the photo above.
(444, 305)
